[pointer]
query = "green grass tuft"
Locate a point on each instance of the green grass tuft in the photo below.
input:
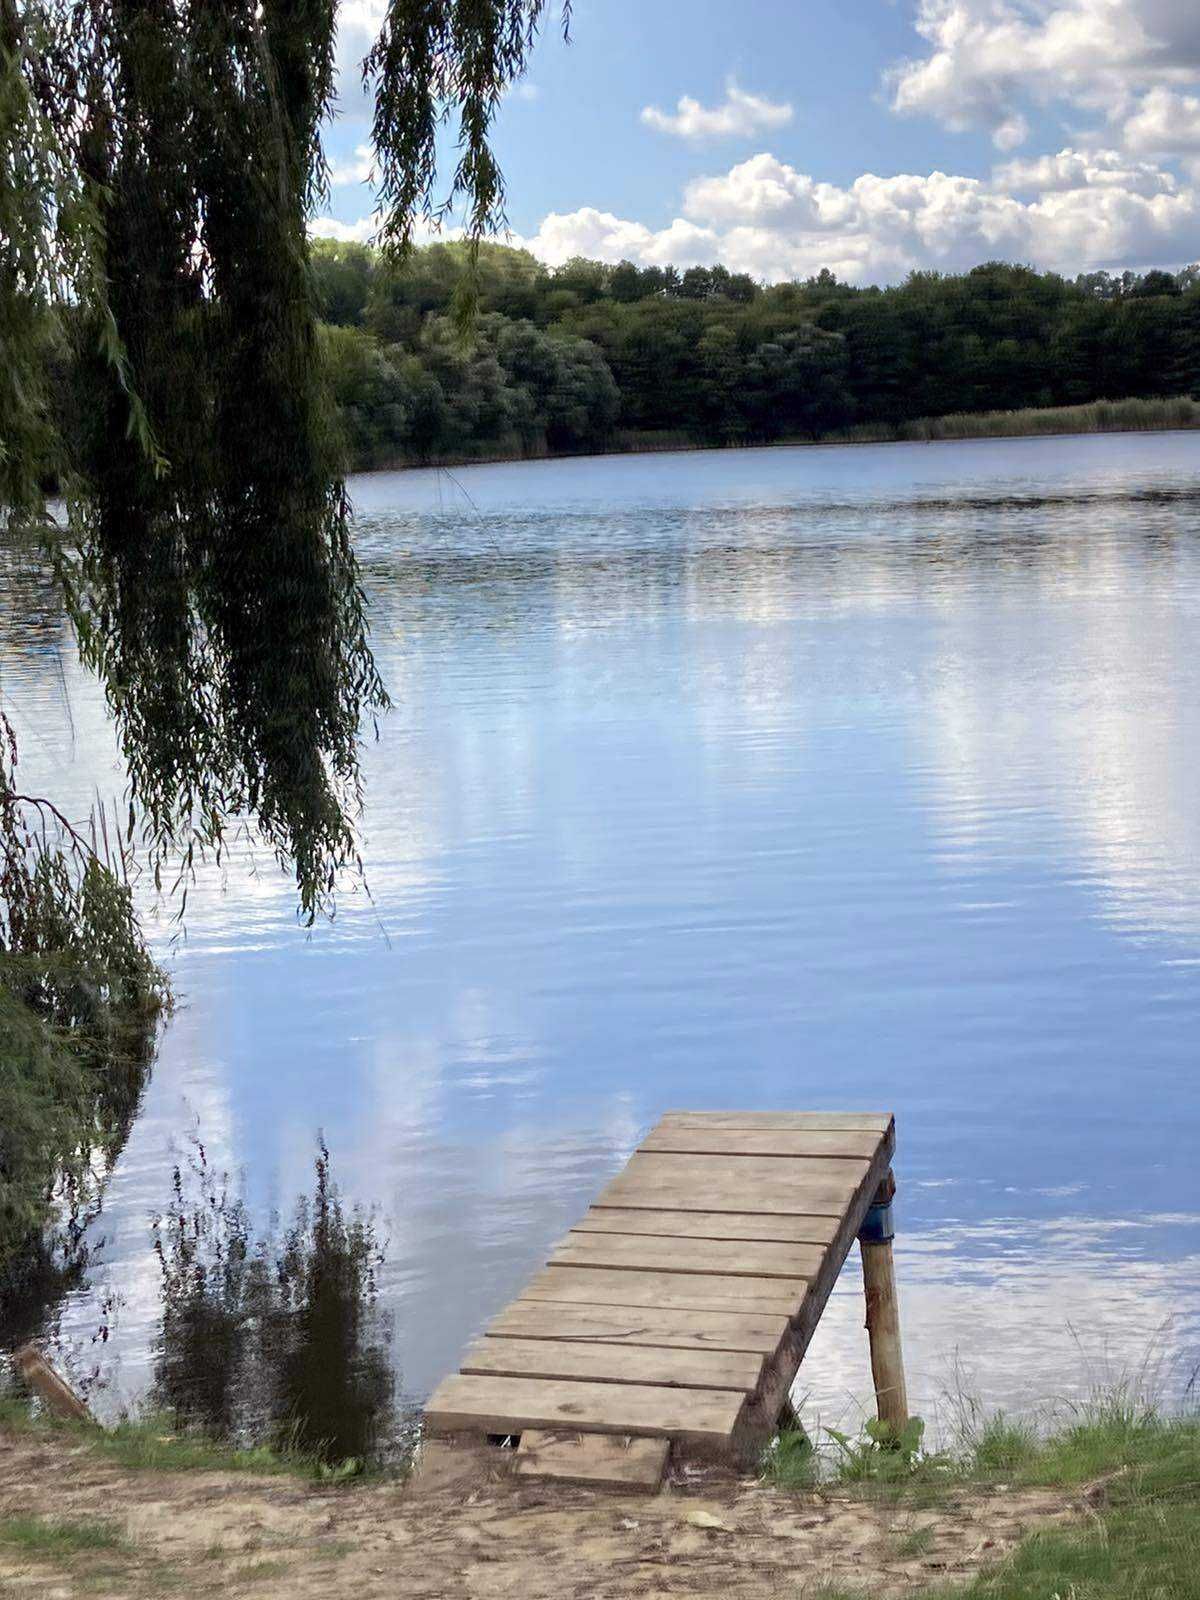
(1094, 1447)
(918, 1542)
(154, 1444)
(791, 1461)
(60, 1536)
(1002, 1446)
(1138, 1532)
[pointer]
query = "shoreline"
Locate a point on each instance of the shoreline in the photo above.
(647, 447)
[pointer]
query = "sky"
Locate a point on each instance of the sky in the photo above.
(871, 137)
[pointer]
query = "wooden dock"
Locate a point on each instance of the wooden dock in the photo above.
(675, 1314)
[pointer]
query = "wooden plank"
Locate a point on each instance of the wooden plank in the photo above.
(667, 1139)
(614, 1363)
(709, 1225)
(672, 1291)
(841, 1173)
(641, 1325)
(831, 1121)
(597, 1460)
(737, 1258)
(642, 1190)
(702, 1418)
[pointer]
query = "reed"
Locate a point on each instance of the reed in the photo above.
(1100, 416)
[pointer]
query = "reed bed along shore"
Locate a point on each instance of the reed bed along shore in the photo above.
(1100, 416)
(1179, 412)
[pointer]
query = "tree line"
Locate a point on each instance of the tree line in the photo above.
(589, 356)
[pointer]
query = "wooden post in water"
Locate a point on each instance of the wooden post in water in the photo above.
(883, 1308)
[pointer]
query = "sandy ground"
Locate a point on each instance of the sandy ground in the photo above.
(463, 1529)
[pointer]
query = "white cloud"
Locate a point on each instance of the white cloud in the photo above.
(986, 59)
(1010, 133)
(1165, 123)
(1082, 169)
(739, 115)
(767, 218)
(358, 25)
(356, 170)
(359, 232)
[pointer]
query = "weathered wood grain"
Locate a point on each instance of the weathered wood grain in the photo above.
(641, 1325)
(737, 1258)
(641, 1188)
(668, 1139)
(614, 1363)
(671, 1291)
(709, 1225)
(704, 1418)
(597, 1460)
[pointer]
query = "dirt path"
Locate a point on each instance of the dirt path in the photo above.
(462, 1531)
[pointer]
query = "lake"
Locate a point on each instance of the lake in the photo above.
(859, 778)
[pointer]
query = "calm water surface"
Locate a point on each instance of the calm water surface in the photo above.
(790, 778)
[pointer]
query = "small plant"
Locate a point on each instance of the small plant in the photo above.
(883, 1453)
(791, 1461)
(917, 1542)
(1003, 1446)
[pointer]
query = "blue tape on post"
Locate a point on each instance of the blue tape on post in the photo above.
(877, 1224)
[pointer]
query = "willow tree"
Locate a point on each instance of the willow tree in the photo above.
(160, 161)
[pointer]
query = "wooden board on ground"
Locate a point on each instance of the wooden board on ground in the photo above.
(709, 1225)
(614, 1363)
(598, 1460)
(692, 1291)
(738, 1258)
(641, 1325)
(702, 1418)
(681, 1305)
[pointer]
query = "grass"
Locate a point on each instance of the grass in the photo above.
(153, 1444)
(1135, 1474)
(259, 1572)
(917, 1543)
(59, 1537)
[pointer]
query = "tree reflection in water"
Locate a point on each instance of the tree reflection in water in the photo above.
(277, 1339)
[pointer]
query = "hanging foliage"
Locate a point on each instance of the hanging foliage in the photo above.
(159, 163)
(80, 997)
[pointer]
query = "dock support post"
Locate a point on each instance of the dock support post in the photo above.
(883, 1309)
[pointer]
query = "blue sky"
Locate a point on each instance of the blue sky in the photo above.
(870, 136)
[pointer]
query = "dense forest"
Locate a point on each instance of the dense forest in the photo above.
(588, 356)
